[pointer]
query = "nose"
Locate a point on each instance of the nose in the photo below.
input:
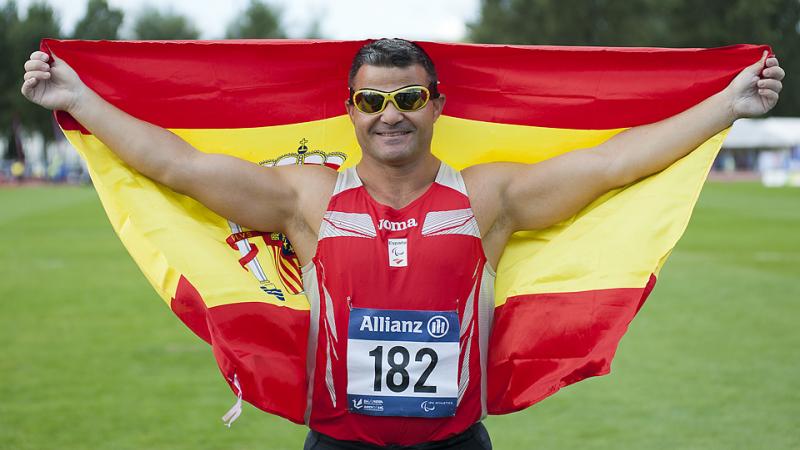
(391, 115)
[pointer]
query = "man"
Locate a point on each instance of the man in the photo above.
(400, 207)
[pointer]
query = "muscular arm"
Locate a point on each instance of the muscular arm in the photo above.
(522, 197)
(256, 197)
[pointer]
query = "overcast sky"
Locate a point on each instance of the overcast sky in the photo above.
(439, 20)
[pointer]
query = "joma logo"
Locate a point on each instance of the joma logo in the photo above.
(384, 224)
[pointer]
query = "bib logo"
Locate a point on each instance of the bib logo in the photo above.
(358, 404)
(428, 406)
(384, 224)
(384, 324)
(281, 260)
(438, 326)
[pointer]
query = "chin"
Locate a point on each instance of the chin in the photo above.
(392, 155)
(394, 158)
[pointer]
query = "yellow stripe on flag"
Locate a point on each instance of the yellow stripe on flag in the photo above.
(602, 247)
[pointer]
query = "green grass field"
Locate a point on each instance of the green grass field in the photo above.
(92, 358)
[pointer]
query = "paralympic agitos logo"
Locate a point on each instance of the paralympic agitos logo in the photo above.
(281, 256)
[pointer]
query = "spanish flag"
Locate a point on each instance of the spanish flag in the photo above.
(564, 295)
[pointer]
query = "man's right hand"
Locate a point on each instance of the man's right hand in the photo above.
(54, 86)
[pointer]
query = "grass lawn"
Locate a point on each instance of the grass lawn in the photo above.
(92, 358)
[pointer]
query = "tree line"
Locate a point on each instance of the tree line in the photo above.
(657, 23)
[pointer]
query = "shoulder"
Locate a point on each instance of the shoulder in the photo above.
(313, 186)
(308, 179)
(486, 184)
(490, 178)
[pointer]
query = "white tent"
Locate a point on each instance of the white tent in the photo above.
(773, 132)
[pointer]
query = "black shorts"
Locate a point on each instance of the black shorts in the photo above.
(473, 438)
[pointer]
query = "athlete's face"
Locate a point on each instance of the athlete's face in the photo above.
(394, 137)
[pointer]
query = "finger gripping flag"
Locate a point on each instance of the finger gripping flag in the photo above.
(564, 295)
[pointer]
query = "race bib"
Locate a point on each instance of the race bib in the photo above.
(402, 363)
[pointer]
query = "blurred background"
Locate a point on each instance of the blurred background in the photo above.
(90, 358)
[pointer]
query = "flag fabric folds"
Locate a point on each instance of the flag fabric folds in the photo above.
(564, 296)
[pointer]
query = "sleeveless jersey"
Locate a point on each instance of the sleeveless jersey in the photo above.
(422, 261)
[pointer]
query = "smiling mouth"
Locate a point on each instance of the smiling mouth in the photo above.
(393, 133)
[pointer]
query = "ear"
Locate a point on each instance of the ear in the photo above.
(351, 109)
(438, 106)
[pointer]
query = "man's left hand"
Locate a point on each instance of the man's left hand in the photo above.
(755, 90)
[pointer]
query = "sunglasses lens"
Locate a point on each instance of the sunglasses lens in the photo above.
(368, 102)
(411, 99)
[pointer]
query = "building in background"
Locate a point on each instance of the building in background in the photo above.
(765, 149)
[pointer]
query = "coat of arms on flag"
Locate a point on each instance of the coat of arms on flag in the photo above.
(284, 260)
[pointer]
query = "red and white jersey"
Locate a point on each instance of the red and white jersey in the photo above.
(378, 265)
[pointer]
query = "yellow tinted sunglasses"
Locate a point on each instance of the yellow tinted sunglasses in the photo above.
(405, 99)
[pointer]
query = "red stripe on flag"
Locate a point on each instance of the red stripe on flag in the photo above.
(236, 84)
(208, 85)
(264, 345)
(543, 342)
(582, 87)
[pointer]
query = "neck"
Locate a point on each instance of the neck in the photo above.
(397, 186)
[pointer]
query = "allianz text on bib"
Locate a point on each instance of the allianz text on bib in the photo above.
(402, 363)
